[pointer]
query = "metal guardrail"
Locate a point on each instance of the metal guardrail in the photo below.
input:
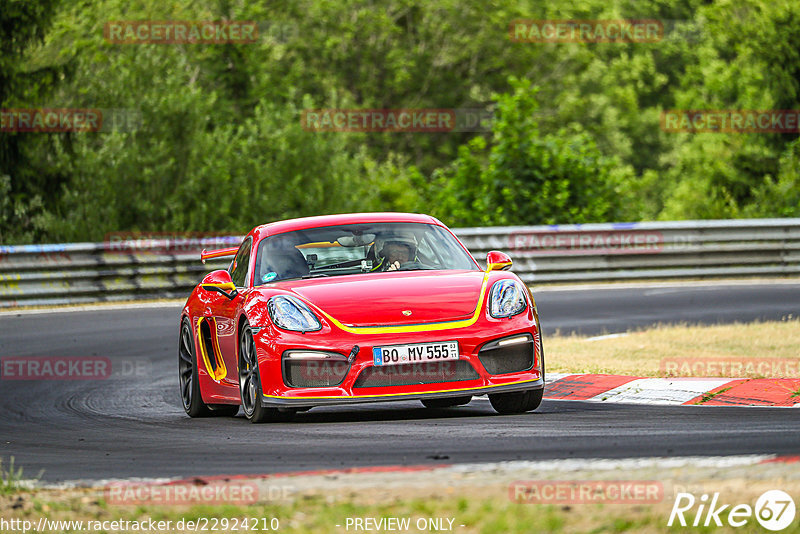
(645, 251)
(96, 272)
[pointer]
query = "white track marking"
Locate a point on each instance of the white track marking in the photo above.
(676, 284)
(177, 304)
(661, 390)
(607, 336)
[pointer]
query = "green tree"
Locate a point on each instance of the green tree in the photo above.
(747, 59)
(25, 178)
(528, 177)
(220, 145)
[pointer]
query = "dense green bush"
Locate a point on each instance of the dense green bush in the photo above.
(527, 177)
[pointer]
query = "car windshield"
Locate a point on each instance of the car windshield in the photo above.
(359, 248)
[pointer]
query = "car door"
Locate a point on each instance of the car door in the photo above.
(217, 327)
(228, 311)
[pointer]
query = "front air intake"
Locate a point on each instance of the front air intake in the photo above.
(307, 369)
(508, 355)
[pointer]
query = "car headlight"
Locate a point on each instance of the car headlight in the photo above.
(506, 299)
(290, 313)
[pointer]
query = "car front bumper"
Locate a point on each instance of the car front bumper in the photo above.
(308, 401)
(277, 392)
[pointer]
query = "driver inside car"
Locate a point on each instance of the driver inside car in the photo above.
(395, 250)
(281, 260)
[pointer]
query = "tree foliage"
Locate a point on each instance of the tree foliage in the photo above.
(528, 177)
(217, 143)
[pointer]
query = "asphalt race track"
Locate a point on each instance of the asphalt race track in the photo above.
(132, 425)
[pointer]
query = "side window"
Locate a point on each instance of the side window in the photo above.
(240, 263)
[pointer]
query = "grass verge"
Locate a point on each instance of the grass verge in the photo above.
(10, 478)
(643, 353)
(471, 502)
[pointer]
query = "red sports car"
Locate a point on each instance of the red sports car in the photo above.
(367, 307)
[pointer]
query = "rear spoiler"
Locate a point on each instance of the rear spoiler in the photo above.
(221, 253)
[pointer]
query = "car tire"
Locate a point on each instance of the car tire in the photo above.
(448, 402)
(517, 402)
(188, 376)
(250, 384)
(524, 401)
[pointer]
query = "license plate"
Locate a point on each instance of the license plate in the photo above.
(415, 353)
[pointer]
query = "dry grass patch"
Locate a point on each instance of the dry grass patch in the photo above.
(641, 353)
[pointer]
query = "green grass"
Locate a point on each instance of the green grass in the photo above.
(10, 478)
(709, 395)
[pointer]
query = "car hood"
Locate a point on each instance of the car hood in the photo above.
(393, 298)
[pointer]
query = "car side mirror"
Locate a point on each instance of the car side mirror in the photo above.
(220, 282)
(497, 261)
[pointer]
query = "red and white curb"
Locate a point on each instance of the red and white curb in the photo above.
(778, 392)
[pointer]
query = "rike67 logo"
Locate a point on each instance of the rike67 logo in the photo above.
(774, 510)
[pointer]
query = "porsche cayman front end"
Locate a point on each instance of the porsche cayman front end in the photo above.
(326, 314)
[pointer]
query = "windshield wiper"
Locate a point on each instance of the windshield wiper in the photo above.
(315, 275)
(418, 268)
